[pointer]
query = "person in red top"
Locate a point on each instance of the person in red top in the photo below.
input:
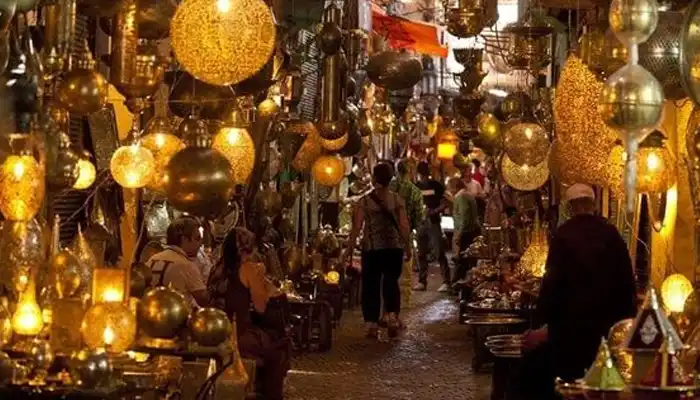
(477, 175)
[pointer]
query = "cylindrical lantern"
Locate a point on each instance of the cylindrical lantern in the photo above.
(328, 170)
(108, 285)
(447, 144)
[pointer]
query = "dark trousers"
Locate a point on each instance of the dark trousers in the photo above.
(430, 241)
(272, 354)
(464, 264)
(381, 270)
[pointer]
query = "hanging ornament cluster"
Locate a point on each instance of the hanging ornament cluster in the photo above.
(632, 99)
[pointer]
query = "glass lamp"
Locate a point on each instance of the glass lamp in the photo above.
(132, 166)
(21, 187)
(656, 166)
(108, 285)
(27, 319)
(237, 146)
(109, 326)
(87, 172)
(675, 291)
(447, 145)
(163, 146)
(328, 170)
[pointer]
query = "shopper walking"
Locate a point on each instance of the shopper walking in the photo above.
(430, 237)
(381, 215)
(466, 228)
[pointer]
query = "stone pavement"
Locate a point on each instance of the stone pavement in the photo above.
(430, 360)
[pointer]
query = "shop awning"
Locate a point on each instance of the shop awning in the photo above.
(402, 33)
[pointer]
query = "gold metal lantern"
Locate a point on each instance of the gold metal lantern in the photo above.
(328, 170)
(524, 177)
(223, 42)
(159, 139)
(21, 187)
(110, 326)
(108, 285)
(534, 260)
(633, 21)
(236, 144)
(133, 166)
(526, 144)
(447, 144)
(656, 166)
(86, 172)
(675, 290)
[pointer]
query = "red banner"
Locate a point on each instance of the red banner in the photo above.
(402, 33)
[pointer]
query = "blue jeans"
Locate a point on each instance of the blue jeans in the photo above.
(429, 237)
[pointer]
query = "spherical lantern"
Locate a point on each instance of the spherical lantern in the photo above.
(223, 42)
(656, 166)
(210, 327)
(21, 187)
(675, 291)
(199, 179)
(239, 149)
(335, 144)
(91, 368)
(583, 140)
(328, 170)
(132, 166)
(159, 139)
(61, 162)
(82, 91)
(22, 247)
(524, 177)
(163, 313)
(111, 326)
(489, 128)
(631, 102)
(86, 172)
(633, 21)
(526, 144)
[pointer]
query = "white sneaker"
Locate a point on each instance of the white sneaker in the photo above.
(419, 286)
(444, 288)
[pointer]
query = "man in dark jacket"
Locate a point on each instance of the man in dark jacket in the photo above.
(588, 286)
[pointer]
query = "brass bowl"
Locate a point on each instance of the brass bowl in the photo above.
(394, 70)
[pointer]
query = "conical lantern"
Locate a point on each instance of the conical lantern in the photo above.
(603, 376)
(652, 327)
(88, 262)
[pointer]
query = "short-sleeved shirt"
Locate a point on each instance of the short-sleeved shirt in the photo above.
(433, 192)
(172, 267)
(380, 232)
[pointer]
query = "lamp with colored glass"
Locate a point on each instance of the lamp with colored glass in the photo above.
(108, 285)
(110, 326)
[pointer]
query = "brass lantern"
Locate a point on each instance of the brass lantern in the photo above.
(133, 166)
(656, 166)
(530, 44)
(328, 170)
(447, 144)
(21, 181)
(526, 144)
(470, 17)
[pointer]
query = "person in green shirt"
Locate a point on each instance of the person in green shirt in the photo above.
(465, 214)
(409, 192)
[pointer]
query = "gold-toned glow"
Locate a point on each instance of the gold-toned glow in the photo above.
(239, 149)
(675, 291)
(163, 146)
(87, 174)
(28, 318)
(328, 170)
(524, 177)
(583, 140)
(534, 260)
(21, 187)
(133, 166)
(332, 277)
(334, 144)
(656, 170)
(446, 150)
(111, 326)
(223, 42)
(526, 144)
(108, 285)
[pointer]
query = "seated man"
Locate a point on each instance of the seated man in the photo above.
(174, 265)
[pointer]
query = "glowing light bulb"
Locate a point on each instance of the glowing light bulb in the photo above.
(108, 336)
(223, 6)
(18, 170)
(87, 174)
(112, 294)
(528, 133)
(653, 161)
(28, 318)
(675, 291)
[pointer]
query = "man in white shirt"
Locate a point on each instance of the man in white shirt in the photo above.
(174, 265)
(473, 188)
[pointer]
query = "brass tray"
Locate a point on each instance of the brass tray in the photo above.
(495, 321)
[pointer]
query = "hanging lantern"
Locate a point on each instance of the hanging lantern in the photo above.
(108, 285)
(27, 319)
(61, 162)
(489, 128)
(110, 326)
(447, 144)
(22, 248)
(83, 90)
(239, 149)
(526, 144)
(87, 260)
(133, 166)
(656, 169)
(223, 42)
(21, 187)
(158, 137)
(210, 327)
(86, 172)
(328, 170)
(534, 260)
(524, 177)
(530, 40)
(675, 291)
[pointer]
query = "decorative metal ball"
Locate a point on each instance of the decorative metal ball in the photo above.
(524, 177)
(210, 327)
(199, 181)
(91, 368)
(631, 101)
(633, 21)
(660, 54)
(133, 166)
(394, 70)
(333, 130)
(110, 325)
(163, 313)
(239, 149)
(267, 108)
(66, 269)
(328, 170)
(526, 144)
(21, 187)
(86, 172)
(41, 354)
(223, 42)
(83, 91)
(62, 170)
(163, 144)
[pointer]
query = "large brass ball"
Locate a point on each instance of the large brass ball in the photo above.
(633, 21)
(526, 144)
(163, 313)
(631, 100)
(83, 91)
(199, 181)
(41, 355)
(210, 327)
(394, 70)
(90, 368)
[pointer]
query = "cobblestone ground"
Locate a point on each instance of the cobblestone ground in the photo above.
(430, 360)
